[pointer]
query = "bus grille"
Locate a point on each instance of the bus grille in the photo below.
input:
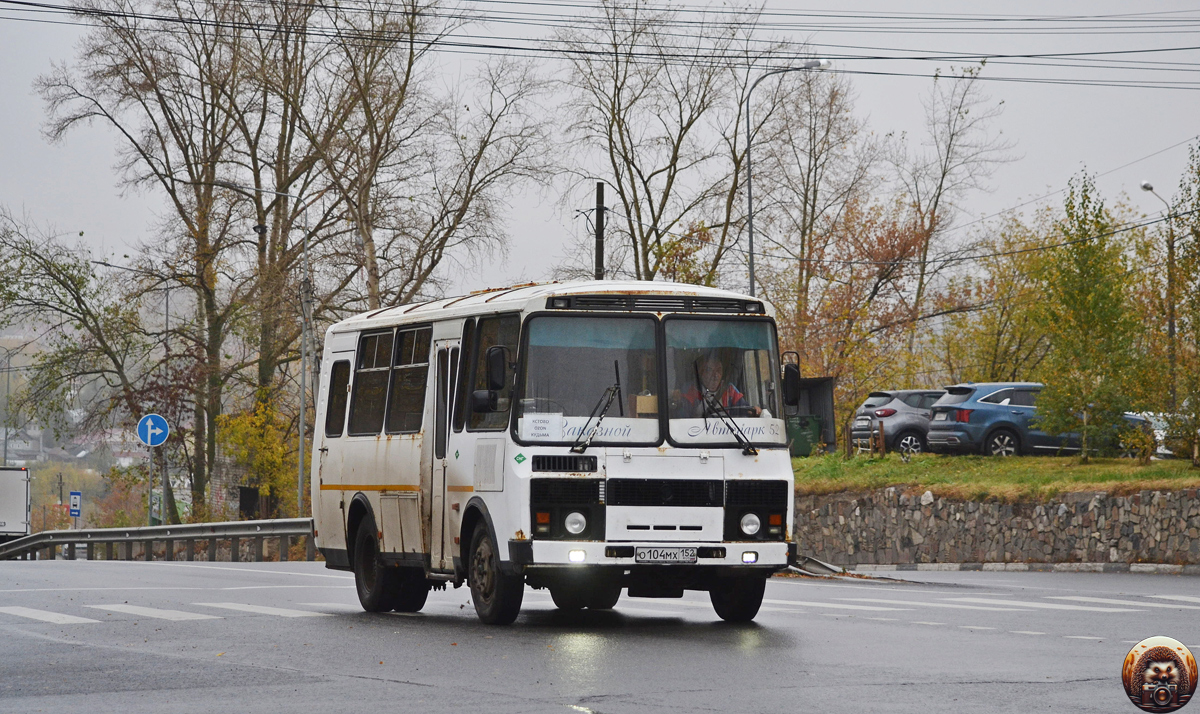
(562, 463)
(664, 492)
(756, 493)
(553, 491)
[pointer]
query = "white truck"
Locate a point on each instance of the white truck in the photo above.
(14, 503)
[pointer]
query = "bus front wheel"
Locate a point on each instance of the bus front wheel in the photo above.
(738, 599)
(496, 595)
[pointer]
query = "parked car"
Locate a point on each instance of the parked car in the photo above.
(904, 414)
(998, 419)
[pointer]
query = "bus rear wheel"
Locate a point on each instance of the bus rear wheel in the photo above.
(413, 591)
(496, 595)
(738, 599)
(376, 584)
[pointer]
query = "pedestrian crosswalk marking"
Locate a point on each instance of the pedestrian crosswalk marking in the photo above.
(262, 609)
(156, 613)
(837, 606)
(1180, 598)
(933, 604)
(1039, 605)
(46, 616)
(1107, 601)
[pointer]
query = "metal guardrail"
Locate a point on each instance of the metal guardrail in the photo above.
(132, 540)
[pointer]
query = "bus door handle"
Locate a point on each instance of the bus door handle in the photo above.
(323, 449)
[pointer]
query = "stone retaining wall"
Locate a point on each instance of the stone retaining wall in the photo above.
(895, 526)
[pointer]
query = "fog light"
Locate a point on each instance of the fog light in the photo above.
(578, 556)
(575, 523)
(747, 557)
(751, 523)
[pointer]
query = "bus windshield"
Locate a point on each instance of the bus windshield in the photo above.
(574, 364)
(723, 376)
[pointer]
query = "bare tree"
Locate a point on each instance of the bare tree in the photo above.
(644, 98)
(818, 161)
(959, 154)
(163, 86)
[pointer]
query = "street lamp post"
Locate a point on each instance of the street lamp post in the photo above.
(1147, 186)
(305, 308)
(811, 64)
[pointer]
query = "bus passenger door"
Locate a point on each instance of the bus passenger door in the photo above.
(444, 520)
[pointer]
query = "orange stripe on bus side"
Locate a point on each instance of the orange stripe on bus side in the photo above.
(369, 487)
(461, 489)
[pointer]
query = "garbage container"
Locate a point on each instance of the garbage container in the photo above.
(804, 433)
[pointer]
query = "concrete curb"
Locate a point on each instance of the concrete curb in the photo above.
(1144, 568)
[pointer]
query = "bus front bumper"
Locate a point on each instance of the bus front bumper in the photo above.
(538, 553)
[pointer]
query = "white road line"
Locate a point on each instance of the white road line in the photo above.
(262, 609)
(1039, 605)
(1180, 598)
(1107, 601)
(836, 606)
(879, 619)
(932, 604)
(919, 622)
(1080, 637)
(156, 613)
(45, 616)
(974, 627)
(1025, 632)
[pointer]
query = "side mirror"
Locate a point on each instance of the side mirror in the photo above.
(791, 385)
(484, 400)
(497, 366)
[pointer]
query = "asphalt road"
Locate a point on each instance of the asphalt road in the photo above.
(79, 636)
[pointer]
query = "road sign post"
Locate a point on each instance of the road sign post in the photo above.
(152, 431)
(76, 506)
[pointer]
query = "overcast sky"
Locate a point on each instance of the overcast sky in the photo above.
(1057, 129)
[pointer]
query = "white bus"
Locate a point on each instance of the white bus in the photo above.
(586, 437)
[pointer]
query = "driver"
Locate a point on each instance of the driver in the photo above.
(712, 377)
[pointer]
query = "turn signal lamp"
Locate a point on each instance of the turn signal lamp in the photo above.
(884, 412)
(543, 517)
(775, 519)
(963, 415)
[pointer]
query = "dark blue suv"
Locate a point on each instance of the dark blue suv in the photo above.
(989, 418)
(997, 419)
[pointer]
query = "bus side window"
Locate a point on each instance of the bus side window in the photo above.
(339, 384)
(410, 372)
(369, 394)
(464, 374)
(501, 330)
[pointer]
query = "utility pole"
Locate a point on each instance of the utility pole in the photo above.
(60, 488)
(7, 375)
(1147, 186)
(599, 230)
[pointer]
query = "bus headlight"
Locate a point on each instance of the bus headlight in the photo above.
(751, 524)
(575, 523)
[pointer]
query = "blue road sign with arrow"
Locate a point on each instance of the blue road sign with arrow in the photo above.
(153, 430)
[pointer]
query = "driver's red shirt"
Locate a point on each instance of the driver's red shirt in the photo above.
(729, 396)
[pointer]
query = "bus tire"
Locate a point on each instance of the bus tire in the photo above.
(604, 597)
(413, 591)
(738, 599)
(376, 584)
(496, 596)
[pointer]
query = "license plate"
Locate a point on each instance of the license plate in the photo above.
(940, 416)
(862, 421)
(664, 555)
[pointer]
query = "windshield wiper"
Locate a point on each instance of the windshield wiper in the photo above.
(710, 399)
(606, 399)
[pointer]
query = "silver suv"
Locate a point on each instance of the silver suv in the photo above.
(904, 415)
